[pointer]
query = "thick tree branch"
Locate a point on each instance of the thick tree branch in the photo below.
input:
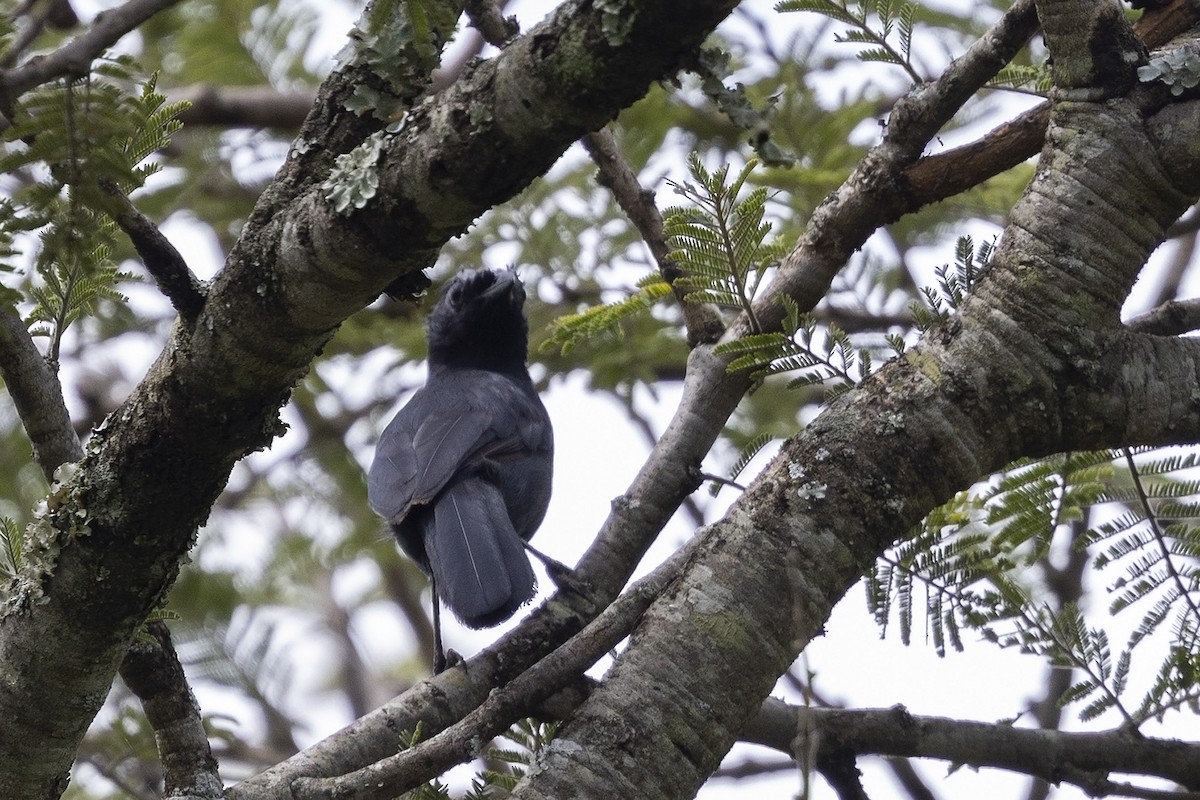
(710, 394)
(1051, 755)
(945, 174)
(299, 269)
(970, 399)
(37, 394)
(464, 740)
(1135, 401)
(152, 671)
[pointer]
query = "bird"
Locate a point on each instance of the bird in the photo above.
(462, 473)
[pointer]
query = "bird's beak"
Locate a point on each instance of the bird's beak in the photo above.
(507, 285)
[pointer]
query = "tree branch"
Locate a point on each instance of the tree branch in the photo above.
(710, 394)
(161, 259)
(805, 530)
(242, 106)
(1172, 318)
(487, 17)
(76, 56)
(946, 174)
(464, 740)
(56, 14)
(297, 271)
(1051, 755)
(152, 671)
(702, 321)
(37, 395)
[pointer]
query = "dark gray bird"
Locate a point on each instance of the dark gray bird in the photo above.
(462, 473)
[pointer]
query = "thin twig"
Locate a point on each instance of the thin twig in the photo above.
(162, 260)
(701, 320)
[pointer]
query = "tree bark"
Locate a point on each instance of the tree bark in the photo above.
(109, 545)
(1036, 363)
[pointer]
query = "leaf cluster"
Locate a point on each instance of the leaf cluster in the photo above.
(823, 356)
(972, 558)
(1034, 78)
(883, 27)
(72, 144)
(719, 242)
(954, 282)
(568, 331)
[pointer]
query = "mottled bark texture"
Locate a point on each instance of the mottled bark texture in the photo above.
(118, 531)
(1011, 377)
(152, 671)
(1037, 363)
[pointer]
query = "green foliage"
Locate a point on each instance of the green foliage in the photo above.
(10, 547)
(1026, 77)
(954, 283)
(718, 244)
(570, 330)
(1156, 542)
(231, 42)
(821, 356)
(892, 18)
(973, 554)
(76, 141)
(719, 241)
(524, 740)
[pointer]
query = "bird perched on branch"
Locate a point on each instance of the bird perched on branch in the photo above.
(462, 473)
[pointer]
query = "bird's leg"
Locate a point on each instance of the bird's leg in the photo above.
(443, 659)
(439, 654)
(563, 576)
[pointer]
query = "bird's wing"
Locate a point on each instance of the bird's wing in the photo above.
(453, 421)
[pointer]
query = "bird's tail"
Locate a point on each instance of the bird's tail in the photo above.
(478, 561)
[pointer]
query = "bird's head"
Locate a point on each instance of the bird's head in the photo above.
(480, 322)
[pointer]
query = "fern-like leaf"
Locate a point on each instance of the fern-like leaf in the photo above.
(872, 23)
(720, 240)
(745, 456)
(569, 331)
